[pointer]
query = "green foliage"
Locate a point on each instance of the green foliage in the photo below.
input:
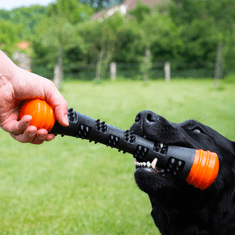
(230, 78)
(102, 42)
(26, 19)
(183, 31)
(109, 42)
(8, 36)
(91, 32)
(52, 33)
(132, 48)
(4, 15)
(158, 34)
(204, 24)
(73, 11)
(57, 30)
(140, 11)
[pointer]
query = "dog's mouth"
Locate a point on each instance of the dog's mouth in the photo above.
(151, 166)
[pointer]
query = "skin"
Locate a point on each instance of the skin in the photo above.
(18, 85)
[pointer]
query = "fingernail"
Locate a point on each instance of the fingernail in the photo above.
(65, 119)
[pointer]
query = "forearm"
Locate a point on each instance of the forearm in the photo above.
(7, 67)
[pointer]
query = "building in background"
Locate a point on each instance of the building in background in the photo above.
(123, 8)
(21, 58)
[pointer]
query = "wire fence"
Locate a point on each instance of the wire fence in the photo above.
(132, 71)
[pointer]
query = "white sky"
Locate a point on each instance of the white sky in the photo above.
(10, 4)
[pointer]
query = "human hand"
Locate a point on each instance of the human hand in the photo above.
(18, 85)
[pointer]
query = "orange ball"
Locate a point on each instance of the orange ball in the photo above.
(42, 113)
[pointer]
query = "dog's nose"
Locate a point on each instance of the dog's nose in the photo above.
(146, 116)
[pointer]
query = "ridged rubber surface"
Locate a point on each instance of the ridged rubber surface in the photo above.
(204, 170)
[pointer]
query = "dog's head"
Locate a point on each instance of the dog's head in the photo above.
(173, 194)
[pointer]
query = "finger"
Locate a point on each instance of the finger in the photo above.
(27, 136)
(18, 127)
(60, 106)
(31, 135)
(41, 136)
(42, 139)
(50, 137)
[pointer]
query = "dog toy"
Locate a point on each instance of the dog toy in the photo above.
(42, 113)
(197, 167)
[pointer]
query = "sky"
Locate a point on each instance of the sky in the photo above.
(10, 4)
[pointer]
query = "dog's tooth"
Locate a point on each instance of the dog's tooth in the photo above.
(161, 145)
(148, 164)
(144, 163)
(154, 163)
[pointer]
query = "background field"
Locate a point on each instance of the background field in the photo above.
(69, 186)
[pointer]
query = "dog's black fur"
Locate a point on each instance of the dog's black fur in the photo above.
(179, 208)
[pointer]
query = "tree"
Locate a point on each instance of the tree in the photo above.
(73, 11)
(108, 43)
(8, 36)
(26, 18)
(131, 48)
(101, 41)
(56, 35)
(57, 31)
(208, 24)
(155, 28)
(140, 13)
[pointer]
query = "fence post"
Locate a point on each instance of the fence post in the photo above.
(167, 70)
(57, 76)
(218, 64)
(113, 70)
(99, 65)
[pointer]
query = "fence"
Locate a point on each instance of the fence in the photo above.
(132, 71)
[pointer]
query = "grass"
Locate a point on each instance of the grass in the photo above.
(69, 186)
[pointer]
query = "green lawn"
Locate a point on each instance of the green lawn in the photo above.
(69, 186)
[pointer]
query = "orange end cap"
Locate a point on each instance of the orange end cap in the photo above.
(42, 113)
(204, 170)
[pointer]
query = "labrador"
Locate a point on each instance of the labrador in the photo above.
(177, 207)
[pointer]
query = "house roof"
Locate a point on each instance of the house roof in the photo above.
(24, 45)
(123, 8)
(132, 3)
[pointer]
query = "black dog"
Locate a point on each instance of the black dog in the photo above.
(179, 208)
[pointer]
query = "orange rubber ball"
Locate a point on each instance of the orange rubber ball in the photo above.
(42, 113)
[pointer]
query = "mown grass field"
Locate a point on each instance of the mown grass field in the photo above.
(69, 186)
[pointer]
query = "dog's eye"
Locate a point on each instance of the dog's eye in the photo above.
(197, 130)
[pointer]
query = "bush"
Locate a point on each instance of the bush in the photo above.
(230, 78)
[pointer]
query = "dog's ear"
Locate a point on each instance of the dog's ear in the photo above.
(226, 144)
(220, 140)
(233, 143)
